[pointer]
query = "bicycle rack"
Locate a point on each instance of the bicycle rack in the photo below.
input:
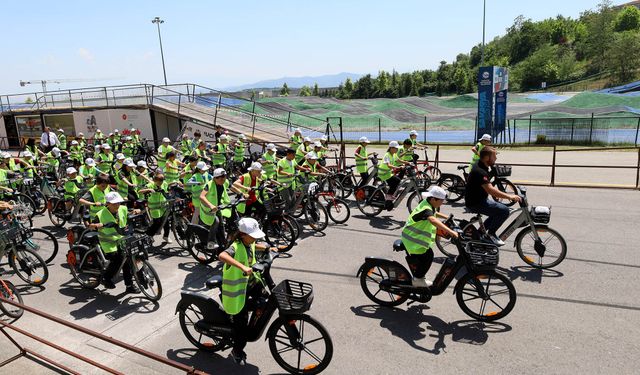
(25, 352)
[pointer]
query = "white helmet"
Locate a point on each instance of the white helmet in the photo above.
(435, 192)
(364, 140)
(393, 144)
(71, 170)
(413, 132)
(90, 162)
(255, 167)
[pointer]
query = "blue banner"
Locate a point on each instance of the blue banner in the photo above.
(485, 100)
(500, 120)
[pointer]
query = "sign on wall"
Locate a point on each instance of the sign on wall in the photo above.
(492, 80)
(107, 120)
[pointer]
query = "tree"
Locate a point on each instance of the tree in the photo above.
(599, 36)
(348, 89)
(624, 56)
(284, 91)
(316, 90)
(305, 91)
(628, 19)
(28, 100)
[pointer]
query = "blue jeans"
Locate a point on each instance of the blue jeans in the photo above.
(497, 214)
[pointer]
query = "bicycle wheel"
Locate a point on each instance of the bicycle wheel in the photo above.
(297, 228)
(87, 280)
(370, 201)
(40, 201)
(433, 172)
(485, 295)
(198, 249)
(44, 243)
(29, 266)
(25, 199)
(414, 200)
(279, 232)
(147, 279)
(179, 229)
(348, 184)
(338, 210)
(445, 246)
(454, 185)
(152, 162)
(9, 292)
(300, 344)
(189, 316)
(56, 205)
(554, 245)
(508, 187)
(370, 280)
(316, 216)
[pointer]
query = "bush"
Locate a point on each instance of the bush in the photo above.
(541, 139)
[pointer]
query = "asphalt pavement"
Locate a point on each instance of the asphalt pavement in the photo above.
(581, 317)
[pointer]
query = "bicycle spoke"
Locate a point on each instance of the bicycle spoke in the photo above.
(311, 354)
(496, 303)
(314, 340)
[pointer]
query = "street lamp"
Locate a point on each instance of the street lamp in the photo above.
(158, 21)
(484, 16)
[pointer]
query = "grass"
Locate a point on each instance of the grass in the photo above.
(596, 100)
(383, 105)
(462, 101)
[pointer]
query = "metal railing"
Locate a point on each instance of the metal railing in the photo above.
(26, 351)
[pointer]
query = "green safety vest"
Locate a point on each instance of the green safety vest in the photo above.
(63, 141)
(112, 142)
(246, 182)
(301, 152)
(476, 157)
(418, 237)
(109, 237)
(197, 183)
(238, 153)
(82, 142)
(171, 171)
(52, 161)
(383, 169)
(157, 200)
(88, 171)
(188, 172)
(98, 196)
(361, 164)
(207, 216)
(12, 164)
(128, 149)
(287, 166)
(296, 140)
(200, 154)
(123, 188)
(185, 146)
(28, 170)
(313, 169)
(406, 155)
(97, 138)
(162, 154)
(72, 187)
(104, 162)
(413, 141)
(220, 157)
(234, 283)
(4, 180)
(34, 151)
(270, 168)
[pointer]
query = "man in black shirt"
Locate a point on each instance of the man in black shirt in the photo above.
(477, 193)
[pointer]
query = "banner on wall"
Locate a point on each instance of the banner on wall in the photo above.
(485, 100)
(500, 120)
(107, 120)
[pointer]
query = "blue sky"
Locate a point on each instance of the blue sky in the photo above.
(225, 43)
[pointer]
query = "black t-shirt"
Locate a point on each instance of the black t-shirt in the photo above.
(475, 193)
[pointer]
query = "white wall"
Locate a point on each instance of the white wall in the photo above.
(207, 132)
(108, 120)
(3, 130)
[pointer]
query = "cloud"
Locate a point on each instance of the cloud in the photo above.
(85, 54)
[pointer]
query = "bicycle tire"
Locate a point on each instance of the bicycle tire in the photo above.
(179, 230)
(279, 232)
(86, 280)
(10, 292)
(24, 262)
(186, 321)
(508, 187)
(477, 281)
(442, 243)
(25, 199)
(54, 204)
(368, 192)
(277, 330)
(316, 216)
(297, 227)
(338, 205)
(40, 201)
(412, 203)
(198, 249)
(366, 276)
(146, 277)
(433, 172)
(527, 258)
(454, 185)
(48, 237)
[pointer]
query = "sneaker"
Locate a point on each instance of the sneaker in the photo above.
(240, 359)
(132, 289)
(421, 282)
(108, 284)
(497, 241)
(167, 240)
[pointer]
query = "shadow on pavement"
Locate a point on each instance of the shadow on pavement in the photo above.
(97, 302)
(382, 222)
(166, 250)
(27, 290)
(211, 363)
(407, 326)
(198, 274)
(526, 273)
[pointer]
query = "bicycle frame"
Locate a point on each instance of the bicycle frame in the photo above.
(524, 217)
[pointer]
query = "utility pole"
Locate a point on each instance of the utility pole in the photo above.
(484, 17)
(158, 21)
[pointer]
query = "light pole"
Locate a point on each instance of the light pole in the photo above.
(158, 21)
(484, 16)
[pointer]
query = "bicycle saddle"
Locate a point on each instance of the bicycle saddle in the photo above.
(398, 246)
(461, 167)
(214, 282)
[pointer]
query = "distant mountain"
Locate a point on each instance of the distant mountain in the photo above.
(332, 80)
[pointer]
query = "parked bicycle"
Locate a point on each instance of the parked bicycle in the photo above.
(298, 343)
(537, 244)
(371, 200)
(456, 185)
(25, 262)
(481, 292)
(9, 292)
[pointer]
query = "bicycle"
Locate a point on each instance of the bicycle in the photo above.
(480, 286)
(279, 230)
(428, 169)
(337, 209)
(28, 187)
(176, 211)
(88, 263)
(371, 200)
(297, 342)
(456, 185)
(41, 241)
(9, 292)
(306, 203)
(534, 223)
(25, 262)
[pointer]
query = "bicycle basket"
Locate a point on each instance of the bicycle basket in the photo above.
(482, 254)
(179, 205)
(293, 297)
(274, 205)
(541, 214)
(135, 243)
(11, 232)
(502, 170)
(22, 212)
